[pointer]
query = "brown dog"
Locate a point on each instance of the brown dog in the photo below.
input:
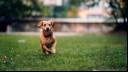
(47, 39)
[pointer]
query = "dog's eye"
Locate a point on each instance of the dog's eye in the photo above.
(49, 24)
(44, 24)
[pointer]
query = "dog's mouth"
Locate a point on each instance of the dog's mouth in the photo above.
(47, 32)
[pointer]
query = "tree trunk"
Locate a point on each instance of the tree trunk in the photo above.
(121, 26)
(3, 26)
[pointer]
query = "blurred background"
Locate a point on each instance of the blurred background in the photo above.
(73, 16)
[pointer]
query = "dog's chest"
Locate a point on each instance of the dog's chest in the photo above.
(49, 40)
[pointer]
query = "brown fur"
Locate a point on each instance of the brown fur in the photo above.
(47, 38)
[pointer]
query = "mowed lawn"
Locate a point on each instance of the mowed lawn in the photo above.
(76, 53)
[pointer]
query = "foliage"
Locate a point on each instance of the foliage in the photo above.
(76, 2)
(119, 11)
(119, 7)
(16, 8)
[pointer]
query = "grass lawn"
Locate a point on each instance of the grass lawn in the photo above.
(77, 53)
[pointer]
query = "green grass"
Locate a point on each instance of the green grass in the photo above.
(77, 53)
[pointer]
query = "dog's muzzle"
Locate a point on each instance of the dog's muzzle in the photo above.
(47, 29)
(47, 32)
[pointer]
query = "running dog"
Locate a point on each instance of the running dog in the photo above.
(47, 38)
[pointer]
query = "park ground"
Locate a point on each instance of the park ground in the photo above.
(74, 53)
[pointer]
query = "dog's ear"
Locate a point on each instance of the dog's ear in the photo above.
(53, 23)
(40, 23)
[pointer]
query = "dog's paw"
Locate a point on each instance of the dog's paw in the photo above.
(53, 51)
(46, 52)
(49, 52)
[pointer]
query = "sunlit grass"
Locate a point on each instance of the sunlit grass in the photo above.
(77, 53)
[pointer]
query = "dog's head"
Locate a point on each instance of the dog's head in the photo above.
(47, 25)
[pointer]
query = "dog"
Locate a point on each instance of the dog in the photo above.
(47, 38)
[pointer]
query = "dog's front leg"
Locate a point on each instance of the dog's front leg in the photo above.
(53, 49)
(45, 49)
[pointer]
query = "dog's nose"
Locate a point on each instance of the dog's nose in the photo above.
(47, 28)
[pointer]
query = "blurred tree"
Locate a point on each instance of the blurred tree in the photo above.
(119, 11)
(73, 8)
(46, 11)
(15, 9)
(76, 2)
(72, 13)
